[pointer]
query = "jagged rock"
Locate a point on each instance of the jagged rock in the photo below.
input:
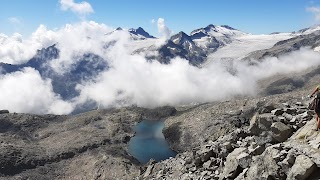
(286, 105)
(260, 123)
(255, 149)
(242, 176)
(264, 166)
(280, 131)
(267, 109)
(149, 169)
(291, 111)
(4, 111)
(287, 116)
(302, 168)
(277, 112)
(232, 167)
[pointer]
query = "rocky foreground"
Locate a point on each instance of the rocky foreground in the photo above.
(259, 138)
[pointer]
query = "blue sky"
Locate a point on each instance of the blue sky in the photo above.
(253, 16)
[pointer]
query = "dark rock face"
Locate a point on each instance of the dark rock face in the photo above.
(184, 46)
(87, 67)
(4, 111)
(181, 45)
(140, 31)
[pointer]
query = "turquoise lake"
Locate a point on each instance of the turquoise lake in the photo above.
(149, 142)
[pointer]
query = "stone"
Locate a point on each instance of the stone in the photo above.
(277, 112)
(291, 111)
(205, 154)
(267, 109)
(264, 166)
(287, 116)
(4, 111)
(260, 123)
(207, 164)
(232, 168)
(242, 176)
(256, 150)
(244, 160)
(227, 145)
(293, 120)
(286, 105)
(280, 131)
(302, 168)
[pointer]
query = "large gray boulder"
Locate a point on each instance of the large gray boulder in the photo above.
(302, 168)
(237, 158)
(265, 165)
(280, 131)
(260, 123)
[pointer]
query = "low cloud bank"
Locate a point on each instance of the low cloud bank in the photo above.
(26, 92)
(131, 79)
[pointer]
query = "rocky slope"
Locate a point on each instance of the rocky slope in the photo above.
(92, 145)
(271, 137)
(274, 139)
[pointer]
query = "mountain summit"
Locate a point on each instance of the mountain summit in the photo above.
(140, 32)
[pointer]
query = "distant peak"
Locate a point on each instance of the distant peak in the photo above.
(140, 31)
(119, 29)
(228, 27)
(211, 26)
(182, 33)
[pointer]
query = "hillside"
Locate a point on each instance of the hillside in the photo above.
(236, 138)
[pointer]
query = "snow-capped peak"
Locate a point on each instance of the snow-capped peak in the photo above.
(139, 33)
(180, 38)
(216, 31)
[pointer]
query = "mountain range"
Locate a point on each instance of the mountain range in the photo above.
(200, 47)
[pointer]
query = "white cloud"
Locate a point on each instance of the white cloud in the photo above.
(164, 31)
(72, 40)
(27, 92)
(131, 79)
(15, 21)
(83, 8)
(316, 12)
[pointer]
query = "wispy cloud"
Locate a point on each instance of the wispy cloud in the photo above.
(82, 8)
(316, 12)
(14, 20)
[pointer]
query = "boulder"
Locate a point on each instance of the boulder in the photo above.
(260, 123)
(277, 112)
(303, 167)
(280, 131)
(264, 166)
(232, 167)
(4, 111)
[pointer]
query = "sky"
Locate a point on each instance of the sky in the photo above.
(76, 28)
(252, 16)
